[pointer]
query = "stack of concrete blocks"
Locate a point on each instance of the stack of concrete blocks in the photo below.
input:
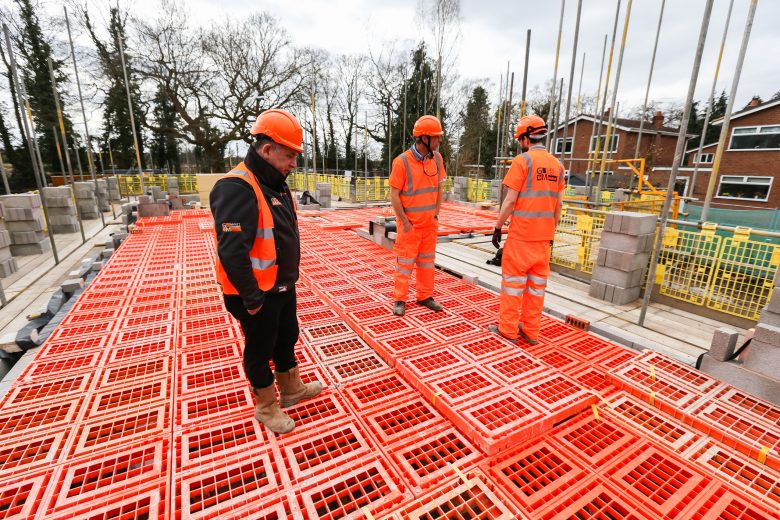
(129, 213)
(62, 210)
(24, 221)
(460, 188)
(495, 189)
(102, 195)
(624, 252)
(157, 193)
(86, 200)
(173, 185)
(7, 262)
(757, 368)
(322, 192)
(112, 183)
(148, 206)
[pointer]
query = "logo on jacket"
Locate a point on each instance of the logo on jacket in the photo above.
(275, 202)
(231, 227)
(543, 175)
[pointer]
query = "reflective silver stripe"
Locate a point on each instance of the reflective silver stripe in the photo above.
(409, 187)
(537, 194)
(405, 261)
(262, 264)
(514, 279)
(420, 191)
(419, 209)
(265, 233)
(427, 255)
(407, 272)
(535, 292)
(512, 291)
(238, 172)
(538, 280)
(528, 176)
(426, 265)
(533, 214)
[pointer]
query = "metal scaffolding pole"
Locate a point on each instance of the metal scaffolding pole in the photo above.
(647, 90)
(29, 136)
(525, 71)
(5, 177)
(594, 127)
(576, 115)
(59, 152)
(613, 113)
(499, 104)
(60, 120)
(678, 157)
(571, 79)
(132, 117)
(708, 113)
(555, 72)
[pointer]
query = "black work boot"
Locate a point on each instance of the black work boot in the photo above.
(525, 337)
(431, 304)
(399, 309)
(494, 330)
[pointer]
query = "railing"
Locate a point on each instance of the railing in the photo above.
(577, 239)
(478, 190)
(131, 184)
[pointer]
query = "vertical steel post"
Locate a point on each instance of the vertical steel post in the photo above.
(132, 117)
(571, 78)
(555, 72)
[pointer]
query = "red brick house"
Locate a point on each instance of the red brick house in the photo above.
(657, 146)
(750, 162)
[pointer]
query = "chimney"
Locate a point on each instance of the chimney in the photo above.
(606, 114)
(755, 101)
(658, 119)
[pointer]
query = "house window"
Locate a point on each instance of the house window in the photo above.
(755, 138)
(596, 173)
(744, 187)
(559, 144)
(704, 158)
(613, 141)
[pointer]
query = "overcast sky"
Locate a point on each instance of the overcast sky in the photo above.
(494, 31)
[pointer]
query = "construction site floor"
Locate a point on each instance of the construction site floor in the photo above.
(677, 333)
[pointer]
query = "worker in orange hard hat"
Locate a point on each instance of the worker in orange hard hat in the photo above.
(259, 252)
(415, 192)
(534, 198)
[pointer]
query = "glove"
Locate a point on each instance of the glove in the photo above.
(497, 237)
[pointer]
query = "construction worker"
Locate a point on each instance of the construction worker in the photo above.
(415, 192)
(258, 249)
(534, 198)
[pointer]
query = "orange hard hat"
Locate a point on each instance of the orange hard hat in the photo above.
(532, 125)
(281, 126)
(427, 125)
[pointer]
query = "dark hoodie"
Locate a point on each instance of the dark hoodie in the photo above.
(233, 201)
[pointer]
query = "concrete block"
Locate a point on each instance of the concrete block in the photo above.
(612, 222)
(624, 279)
(8, 267)
(62, 210)
(724, 342)
(36, 224)
(634, 224)
(144, 199)
(734, 373)
(621, 242)
(23, 200)
(309, 207)
(63, 220)
(58, 202)
(767, 334)
(64, 229)
(625, 261)
(106, 253)
(31, 249)
(624, 296)
(72, 285)
(597, 289)
(176, 203)
(155, 209)
(26, 237)
(5, 253)
(609, 292)
(12, 214)
(97, 266)
(5, 238)
(601, 257)
(774, 300)
(767, 317)
(471, 278)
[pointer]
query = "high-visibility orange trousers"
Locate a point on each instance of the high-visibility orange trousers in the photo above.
(417, 247)
(525, 267)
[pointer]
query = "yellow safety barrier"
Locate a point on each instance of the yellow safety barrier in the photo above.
(577, 238)
(686, 264)
(131, 184)
(478, 190)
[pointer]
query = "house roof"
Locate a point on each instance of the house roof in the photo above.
(630, 125)
(750, 110)
(714, 143)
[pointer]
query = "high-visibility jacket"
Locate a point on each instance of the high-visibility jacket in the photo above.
(263, 252)
(419, 187)
(538, 177)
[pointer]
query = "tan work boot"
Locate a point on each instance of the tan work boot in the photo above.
(292, 389)
(267, 411)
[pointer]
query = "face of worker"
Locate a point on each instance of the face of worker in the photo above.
(525, 144)
(435, 142)
(280, 157)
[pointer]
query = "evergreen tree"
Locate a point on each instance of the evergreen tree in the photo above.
(718, 111)
(35, 52)
(478, 141)
(116, 117)
(164, 147)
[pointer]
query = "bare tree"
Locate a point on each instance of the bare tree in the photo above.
(219, 79)
(349, 71)
(444, 18)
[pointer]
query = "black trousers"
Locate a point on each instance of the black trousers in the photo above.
(270, 334)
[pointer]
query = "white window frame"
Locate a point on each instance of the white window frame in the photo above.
(569, 141)
(757, 130)
(744, 180)
(698, 159)
(595, 139)
(595, 173)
